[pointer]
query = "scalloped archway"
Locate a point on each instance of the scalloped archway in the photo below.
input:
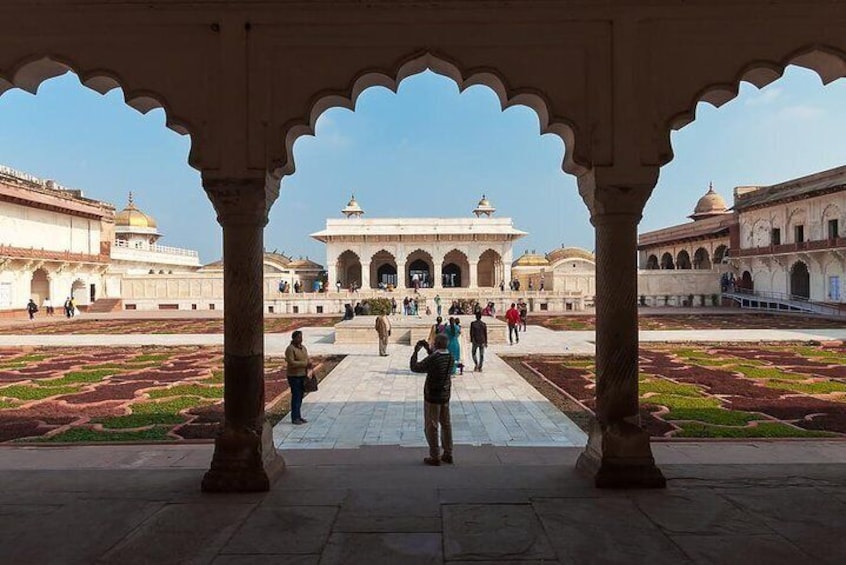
(416, 63)
(29, 73)
(827, 61)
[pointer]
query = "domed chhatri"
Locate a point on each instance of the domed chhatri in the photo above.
(132, 217)
(532, 259)
(484, 207)
(353, 210)
(712, 204)
(564, 252)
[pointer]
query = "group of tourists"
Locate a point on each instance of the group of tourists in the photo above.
(47, 304)
(442, 362)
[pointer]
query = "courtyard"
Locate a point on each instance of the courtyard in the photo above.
(354, 490)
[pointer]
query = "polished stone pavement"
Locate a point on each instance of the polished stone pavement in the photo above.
(740, 502)
(372, 400)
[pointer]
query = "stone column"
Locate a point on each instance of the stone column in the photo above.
(244, 457)
(401, 276)
(439, 274)
(365, 275)
(618, 453)
(332, 277)
(474, 274)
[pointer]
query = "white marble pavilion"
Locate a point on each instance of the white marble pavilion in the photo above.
(472, 252)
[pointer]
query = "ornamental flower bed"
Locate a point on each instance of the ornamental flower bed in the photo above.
(698, 321)
(60, 325)
(725, 391)
(120, 394)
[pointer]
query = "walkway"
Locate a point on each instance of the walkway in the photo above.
(372, 400)
(380, 505)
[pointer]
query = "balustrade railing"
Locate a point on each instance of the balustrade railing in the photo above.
(164, 249)
(815, 245)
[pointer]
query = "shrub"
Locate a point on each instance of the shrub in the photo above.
(378, 306)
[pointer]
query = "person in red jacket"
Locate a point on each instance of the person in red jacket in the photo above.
(512, 316)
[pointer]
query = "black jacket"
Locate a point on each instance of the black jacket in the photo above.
(436, 366)
(478, 332)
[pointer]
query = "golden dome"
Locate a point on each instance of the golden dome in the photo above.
(569, 253)
(133, 217)
(530, 260)
(709, 205)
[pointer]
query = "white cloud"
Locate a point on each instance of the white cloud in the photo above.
(800, 112)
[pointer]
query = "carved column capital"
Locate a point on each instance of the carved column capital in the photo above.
(617, 192)
(241, 200)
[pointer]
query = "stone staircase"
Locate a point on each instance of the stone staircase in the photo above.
(103, 305)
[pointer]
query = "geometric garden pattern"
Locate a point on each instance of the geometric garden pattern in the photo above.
(118, 393)
(724, 390)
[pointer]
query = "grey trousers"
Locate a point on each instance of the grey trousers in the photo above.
(383, 345)
(481, 360)
(433, 416)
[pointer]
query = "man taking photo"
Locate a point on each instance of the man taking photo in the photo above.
(436, 393)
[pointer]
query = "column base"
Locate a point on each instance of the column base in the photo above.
(618, 455)
(243, 461)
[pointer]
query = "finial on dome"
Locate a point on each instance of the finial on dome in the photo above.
(484, 207)
(353, 210)
(131, 201)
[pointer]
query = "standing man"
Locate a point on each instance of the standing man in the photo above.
(436, 393)
(438, 303)
(512, 316)
(338, 286)
(31, 308)
(479, 340)
(383, 329)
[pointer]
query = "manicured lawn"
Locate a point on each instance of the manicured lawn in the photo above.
(122, 394)
(725, 390)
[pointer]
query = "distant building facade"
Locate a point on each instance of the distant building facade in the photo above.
(790, 237)
(786, 240)
(419, 252)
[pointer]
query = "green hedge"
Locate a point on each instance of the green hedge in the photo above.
(378, 305)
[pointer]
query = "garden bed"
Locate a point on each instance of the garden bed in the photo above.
(59, 325)
(722, 390)
(698, 321)
(172, 394)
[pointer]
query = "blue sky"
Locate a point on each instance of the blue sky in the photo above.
(425, 151)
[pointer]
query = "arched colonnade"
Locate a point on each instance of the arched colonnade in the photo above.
(245, 80)
(431, 268)
(696, 258)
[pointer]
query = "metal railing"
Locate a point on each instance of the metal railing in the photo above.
(771, 300)
(123, 244)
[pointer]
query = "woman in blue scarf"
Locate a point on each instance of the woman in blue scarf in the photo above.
(453, 333)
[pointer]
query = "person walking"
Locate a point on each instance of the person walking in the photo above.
(479, 341)
(296, 357)
(453, 333)
(67, 307)
(383, 330)
(512, 316)
(524, 313)
(31, 308)
(48, 306)
(436, 394)
(438, 303)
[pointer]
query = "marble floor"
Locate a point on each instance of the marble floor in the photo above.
(372, 400)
